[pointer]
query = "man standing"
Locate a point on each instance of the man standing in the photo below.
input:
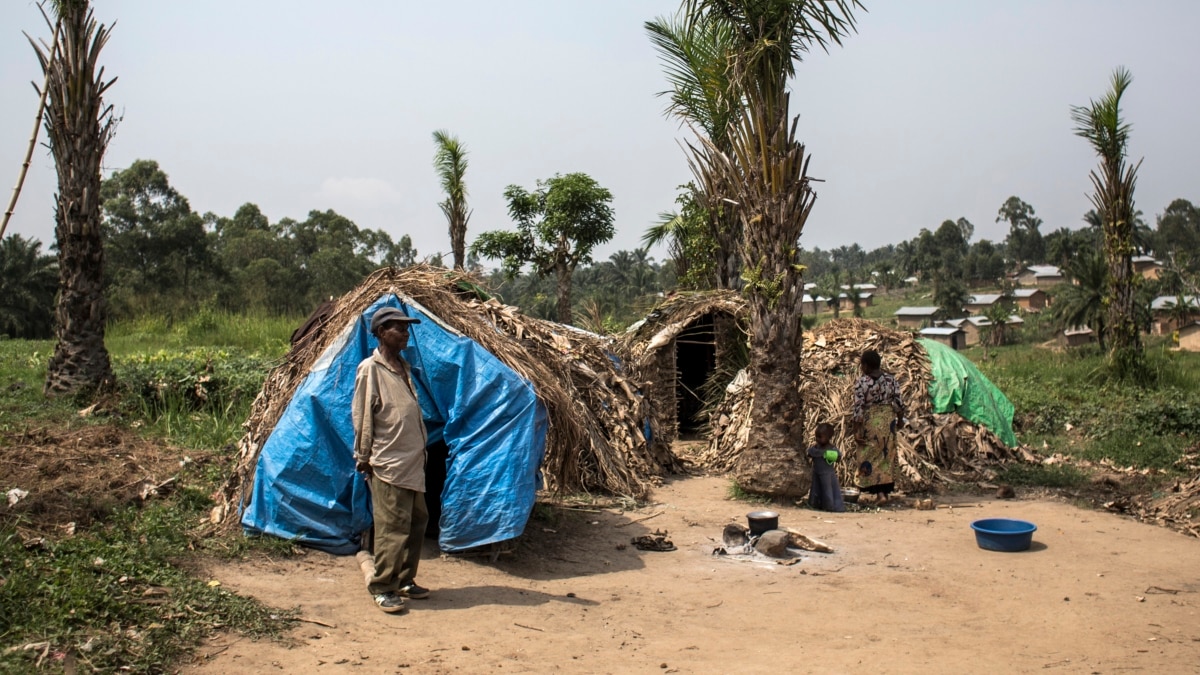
(389, 448)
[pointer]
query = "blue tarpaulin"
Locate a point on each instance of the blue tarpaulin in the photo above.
(305, 486)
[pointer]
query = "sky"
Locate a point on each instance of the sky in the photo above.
(933, 110)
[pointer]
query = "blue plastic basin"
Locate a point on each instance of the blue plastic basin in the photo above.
(1003, 534)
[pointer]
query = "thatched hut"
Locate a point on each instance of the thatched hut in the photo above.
(594, 417)
(933, 447)
(677, 353)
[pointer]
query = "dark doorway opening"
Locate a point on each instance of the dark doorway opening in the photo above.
(695, 360)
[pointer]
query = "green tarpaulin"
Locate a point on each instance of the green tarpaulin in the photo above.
(959, 387)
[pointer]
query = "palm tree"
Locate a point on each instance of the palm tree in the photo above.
(79, 126)
(695, 56)
(1081, 303)
(28, 281)
(764, 174)
(450, 161)
(1101, 124)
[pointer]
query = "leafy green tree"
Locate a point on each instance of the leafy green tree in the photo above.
(1182, 311)
(1024, 242)
(558, 225)
(951, 295)
(79, 126)
(906, 257)
(830, 287)
(28, 281)
(1102, 125)
(687, 233)
(951, 249)
(855, 296)
(1178, 231)
(1081, 303)
(450, 161)
(1063, 245)
(155, 245)
(332, 251)
(984, 263)
(258, 263)
(966, 229)
(996, 333)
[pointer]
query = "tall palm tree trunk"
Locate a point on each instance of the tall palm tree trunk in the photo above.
(775, 199)
(79, 126)
(1125, 342)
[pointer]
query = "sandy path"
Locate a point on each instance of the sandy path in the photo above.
(906, 591)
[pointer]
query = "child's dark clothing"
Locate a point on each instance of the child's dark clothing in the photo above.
(826, 493)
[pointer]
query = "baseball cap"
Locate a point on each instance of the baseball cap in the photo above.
(390, 314)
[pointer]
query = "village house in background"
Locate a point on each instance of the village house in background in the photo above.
(1075, 337)
(1189, 337)
(1164, 315)
(916, 317)
(810, 305)
(1030, 299)
(1041, 276)
(846, 303)
(1147, 266)
(980, 303)
(973, 326)
(950, 336)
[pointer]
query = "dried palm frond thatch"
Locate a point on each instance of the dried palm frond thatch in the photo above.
(648, 348)
(931, 447)
(1175, 507)
(594, 439)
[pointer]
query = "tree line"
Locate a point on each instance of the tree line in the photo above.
(160, 254)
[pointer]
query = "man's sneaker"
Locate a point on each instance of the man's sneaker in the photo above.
(390, 602)
(414, 591)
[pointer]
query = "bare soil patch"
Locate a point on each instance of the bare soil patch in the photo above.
(905, 590)
(75, 476)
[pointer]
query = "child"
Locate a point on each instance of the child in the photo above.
(826, 494)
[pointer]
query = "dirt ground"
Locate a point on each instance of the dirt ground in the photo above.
(906, 590)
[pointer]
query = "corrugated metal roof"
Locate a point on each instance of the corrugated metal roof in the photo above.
(948, 330)
(916, 311)
(1044, 270)
(984, 299)
(1169, 301)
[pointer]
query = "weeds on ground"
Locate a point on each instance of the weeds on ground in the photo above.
(738, 493)
(112, 599)
(1043, 475)
(1069, 402)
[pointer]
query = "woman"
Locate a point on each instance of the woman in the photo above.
(878, 412)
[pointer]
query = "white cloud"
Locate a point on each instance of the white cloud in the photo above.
(359, 191)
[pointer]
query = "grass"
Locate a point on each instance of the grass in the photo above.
(114, 598)
(206, 327)
(1066, 402)
(123, 595)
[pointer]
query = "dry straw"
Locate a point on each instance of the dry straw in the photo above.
(596, 416)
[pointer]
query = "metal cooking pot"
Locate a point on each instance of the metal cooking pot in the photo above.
(761, 521)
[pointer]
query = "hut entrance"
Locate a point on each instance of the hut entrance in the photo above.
(695, 360)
